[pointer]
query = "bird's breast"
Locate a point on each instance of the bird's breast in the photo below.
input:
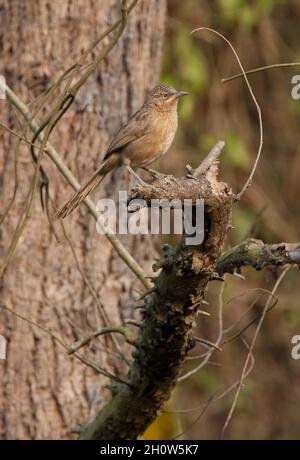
(157, 141)
(165, 129)
(167, 140)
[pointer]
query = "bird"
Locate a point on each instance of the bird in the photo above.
(146, 137)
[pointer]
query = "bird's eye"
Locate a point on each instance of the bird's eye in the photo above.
(165, 95)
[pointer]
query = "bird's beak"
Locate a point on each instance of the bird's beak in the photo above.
(181, 93)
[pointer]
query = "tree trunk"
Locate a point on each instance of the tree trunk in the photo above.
(44, 393)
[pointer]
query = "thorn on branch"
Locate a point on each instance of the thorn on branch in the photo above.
(146, 293)
(134, 322)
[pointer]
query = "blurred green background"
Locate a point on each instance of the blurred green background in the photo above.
(263, 32)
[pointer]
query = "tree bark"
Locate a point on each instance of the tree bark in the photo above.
(255, 253)
(45, 393)
(169, 310)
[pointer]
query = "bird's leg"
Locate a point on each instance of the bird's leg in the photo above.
(134, 174)
(153, 173)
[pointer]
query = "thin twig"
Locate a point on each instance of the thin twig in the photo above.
(16, 180)
(216, 397)
(65, 171)
(212, 399)
(260, 69)
(239, 333)
(108, 31)
(24, 217)
(216, 343)
(118, 246)
(242, 378)
(207, 343)
(205, 406)
(129, 337)
(55, 337)
(261, 136)
(242, 316)
(92, 291)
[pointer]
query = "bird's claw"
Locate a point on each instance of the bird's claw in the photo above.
(153, 173)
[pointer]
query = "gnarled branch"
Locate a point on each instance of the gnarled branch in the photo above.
(257, 254)
(169, 311)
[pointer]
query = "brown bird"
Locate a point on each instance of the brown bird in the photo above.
(146, 137)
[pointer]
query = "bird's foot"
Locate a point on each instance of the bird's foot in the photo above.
(135, 175)
(142, 182)
(154, 173)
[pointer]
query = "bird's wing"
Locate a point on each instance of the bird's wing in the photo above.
(136, 128)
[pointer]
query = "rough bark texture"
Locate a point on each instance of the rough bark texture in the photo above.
(169, 312)
(44, 393)
(255, 253)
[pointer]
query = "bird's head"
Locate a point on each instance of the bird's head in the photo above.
(164, 98)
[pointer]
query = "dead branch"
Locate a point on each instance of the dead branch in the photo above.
(261, 69)
(256, 254)
(169, 310)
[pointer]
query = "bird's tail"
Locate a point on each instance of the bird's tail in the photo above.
(85, 189)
